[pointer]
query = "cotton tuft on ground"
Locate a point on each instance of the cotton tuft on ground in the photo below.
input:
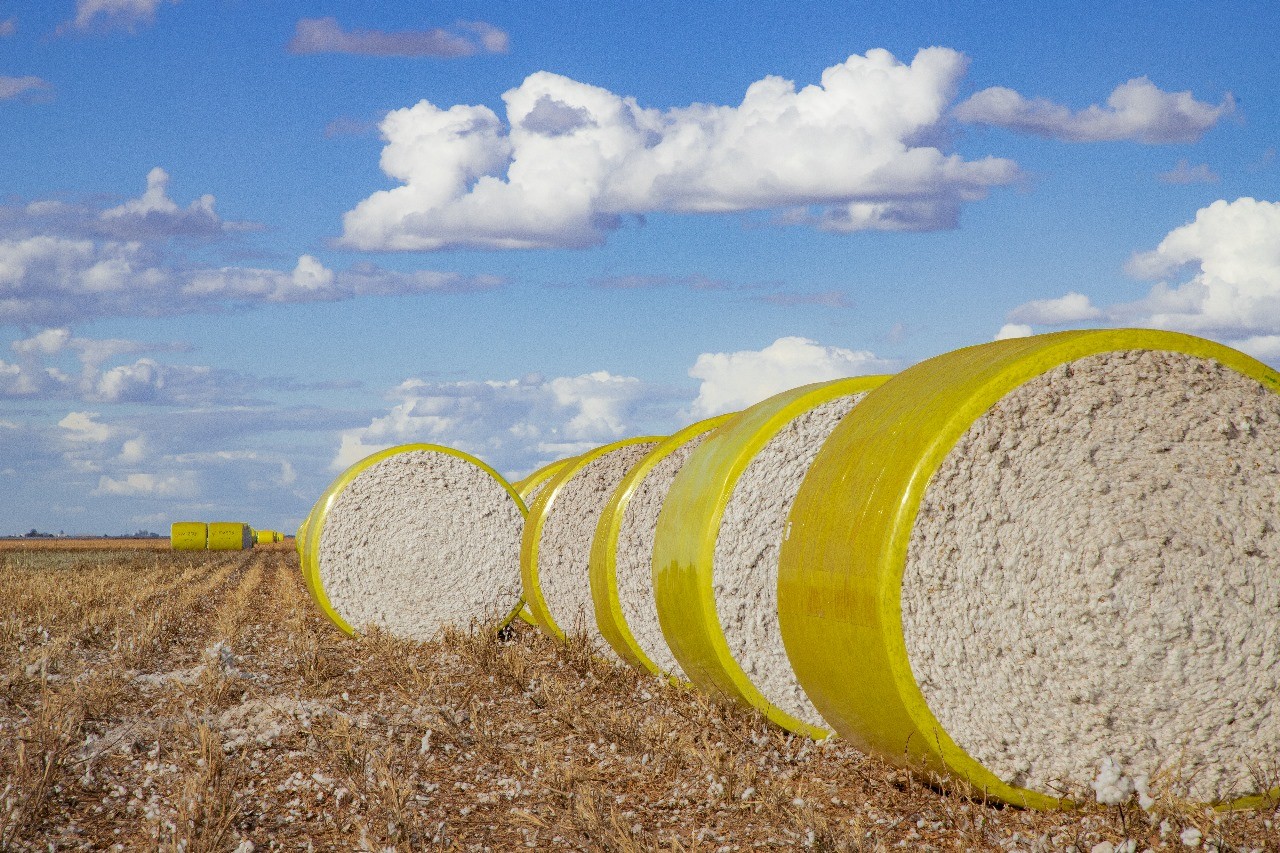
(196, 701)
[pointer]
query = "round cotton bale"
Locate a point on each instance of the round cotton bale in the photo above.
(229, 536)
(555, 552)
(622, 554)
(189, 535)
(716, 550)
(528, 489)
(1026, 563)
(415, 538)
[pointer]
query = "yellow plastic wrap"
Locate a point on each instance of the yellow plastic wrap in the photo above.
(534, 522)
(842, 563)
(230, 536)
(189, 535)
(315, 521)
(300, 540)
(684, 551)
(529, 486)
(604, 548)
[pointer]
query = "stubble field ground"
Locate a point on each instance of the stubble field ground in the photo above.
(152, 699)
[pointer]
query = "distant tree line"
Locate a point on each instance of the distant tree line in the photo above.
(141, 534)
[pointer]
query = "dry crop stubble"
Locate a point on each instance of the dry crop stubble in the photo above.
(196, 701)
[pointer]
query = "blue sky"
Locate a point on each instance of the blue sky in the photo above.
(242, 244)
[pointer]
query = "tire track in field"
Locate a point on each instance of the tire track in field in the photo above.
(294, 594)
(234, 607)
(181, 614)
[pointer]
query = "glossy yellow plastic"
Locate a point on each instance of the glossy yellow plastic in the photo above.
(604, 548)
(189, 536)
(684, 549)
(230, 536)
(536, 519)
(315, 523)
(842, 563)
(300, 545)
(529, 486)
(528, 489)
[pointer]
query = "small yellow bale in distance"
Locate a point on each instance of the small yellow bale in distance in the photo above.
(188, 535)
(230, 536)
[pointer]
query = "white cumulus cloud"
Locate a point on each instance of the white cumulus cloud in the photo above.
(1137, 110)
(1072, 308)
(155, 214)
(572, 160)
(152, 216)
(1232, 253)
(62, 262)
(1265, 347)
(1013, 330)
(82, 427)
(733, 381)
(133, 451)
(19, 380)
(54, 279)
(107, 14)
(511, 424)
(147, 485)
(1217, 276)
(57, 364)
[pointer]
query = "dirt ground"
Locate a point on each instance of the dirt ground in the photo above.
(152, 699)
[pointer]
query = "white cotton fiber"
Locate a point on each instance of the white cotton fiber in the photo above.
(1093, 580)
(569, 526)
(420, 540)
(745, 571)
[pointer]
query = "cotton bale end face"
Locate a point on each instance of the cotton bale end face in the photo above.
(621, 567)
(415, 538)
(715, 552)
(555, 551)
(1017, 562)
(229, 536)
(189, 535)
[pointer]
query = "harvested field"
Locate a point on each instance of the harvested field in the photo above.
(152, 699)
(90, 544)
